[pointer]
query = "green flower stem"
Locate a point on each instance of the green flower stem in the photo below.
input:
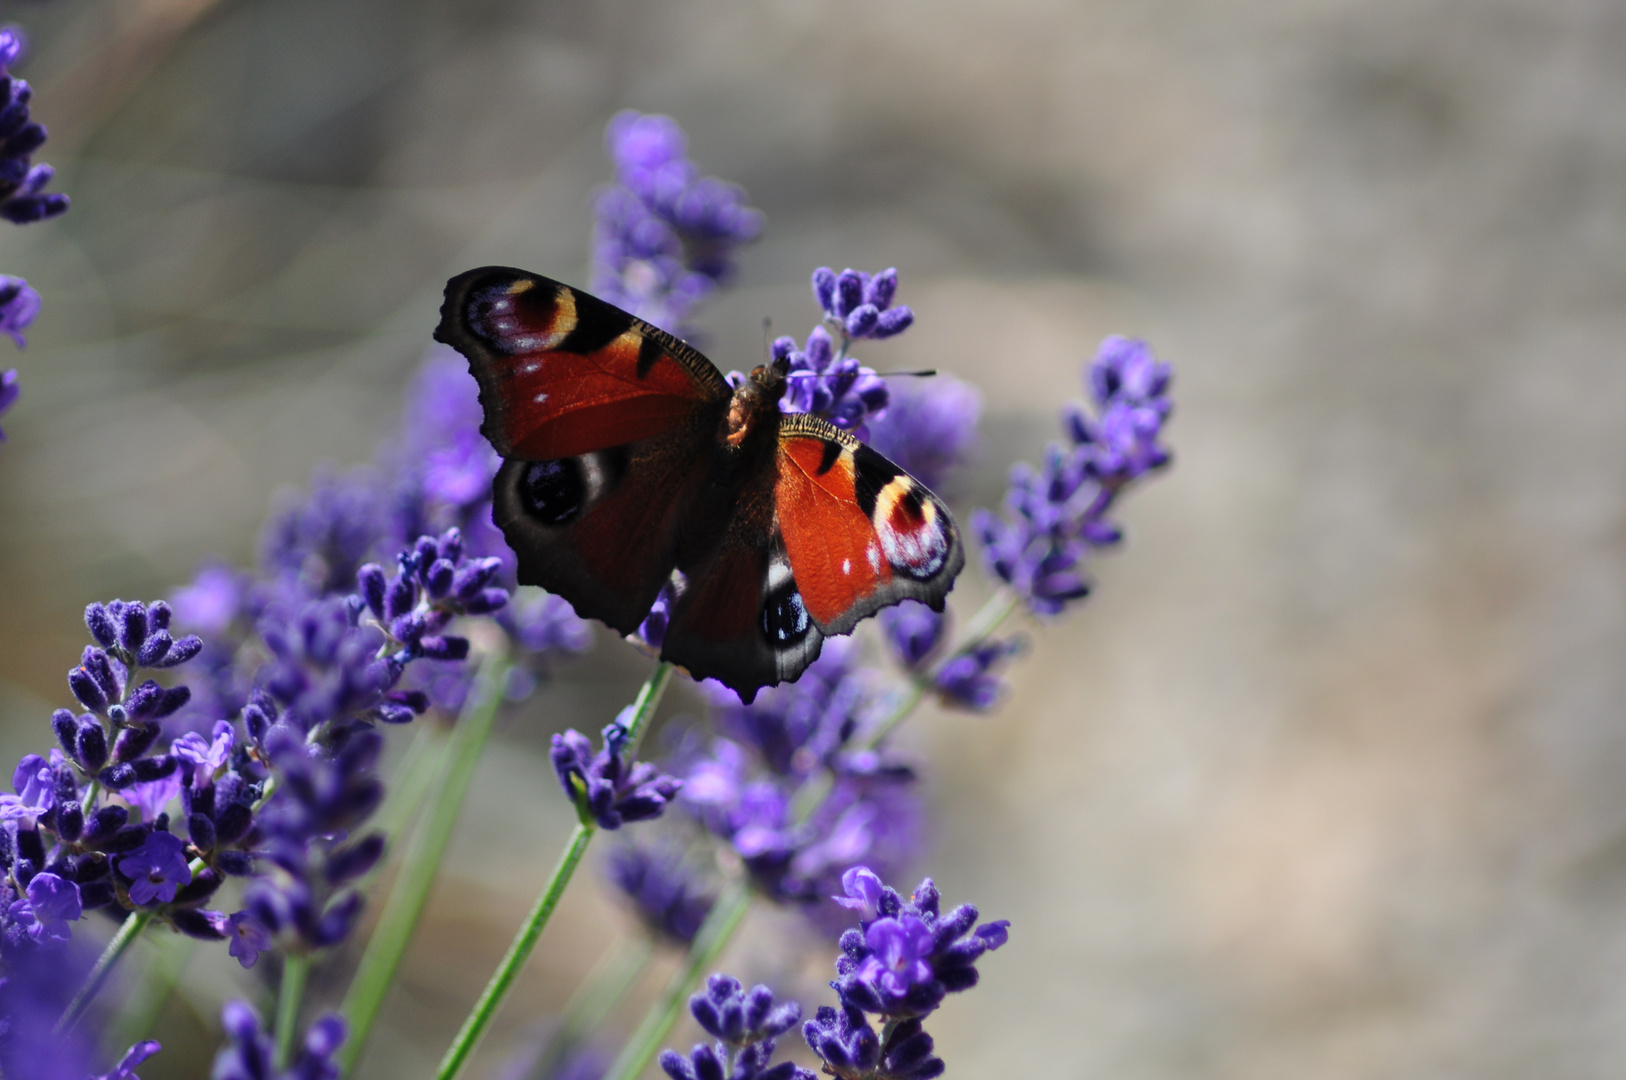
(296, 968)
(715, 933)
(128, 931)
(502, 980)
(146, 1002)
(599, 993)
(399, 920)
(727, 913)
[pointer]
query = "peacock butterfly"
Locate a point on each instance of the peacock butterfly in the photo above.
(628, 456)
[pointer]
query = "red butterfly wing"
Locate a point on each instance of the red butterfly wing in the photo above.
(563, 373)
(739, 616)
(860, 533)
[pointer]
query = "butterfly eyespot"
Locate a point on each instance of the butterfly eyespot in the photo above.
(554, 491)
(784, 617)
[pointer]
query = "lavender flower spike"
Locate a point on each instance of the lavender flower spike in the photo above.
(608, 786)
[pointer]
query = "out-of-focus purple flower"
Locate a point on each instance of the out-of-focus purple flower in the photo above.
(205, 757)
(440, 434)
(1054, 516)
(248, 938)
(859, 304)
(248, 1056)
(929, 427)
(213, 600)
(151, 797)
(156, 869)
(664, 891)
(745, 1025)
(125, 1069)
(10, 390)
(52, 902)
(19, 303)
(541, 623)
(796, 727)
(652, 631)
(968, 681)
(664, 235)
(914, 631)
(38, 984)
(825, 381)
(608, 786)
(318, 539)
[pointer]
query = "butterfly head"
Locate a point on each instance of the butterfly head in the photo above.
(755, 402)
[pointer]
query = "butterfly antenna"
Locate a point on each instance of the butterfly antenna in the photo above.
(923, 373)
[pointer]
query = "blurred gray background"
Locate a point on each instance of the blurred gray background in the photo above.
(1326, 780)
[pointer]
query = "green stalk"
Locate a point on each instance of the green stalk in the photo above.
(727, 913)
(502, 980)
(399, 920)
(296, 969)
(147, 1000)
(128, 931)
(615, 973)
(714, 936)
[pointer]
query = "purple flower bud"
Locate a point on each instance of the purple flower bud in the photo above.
(133, 631)
(154, 649)
(100, 626)
(862, 320)
(180, 652)
(203, 925)
(849, 293)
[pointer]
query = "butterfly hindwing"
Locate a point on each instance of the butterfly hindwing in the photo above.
(860, 533)
(602, 529)
(562, 373)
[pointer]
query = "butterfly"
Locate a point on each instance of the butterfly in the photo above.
(628, 456)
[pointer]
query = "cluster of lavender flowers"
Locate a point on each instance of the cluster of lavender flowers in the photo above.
(664, 235)
(158, 795)
(22, 199)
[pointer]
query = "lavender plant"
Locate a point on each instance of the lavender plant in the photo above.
(245, 806)
(22, 199)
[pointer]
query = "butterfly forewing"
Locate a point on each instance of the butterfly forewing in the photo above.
(562, 373)
(860, 533)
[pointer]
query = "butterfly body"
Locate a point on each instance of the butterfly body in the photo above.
(628, 456)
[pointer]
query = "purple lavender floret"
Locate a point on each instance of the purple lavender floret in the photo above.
(50, 904)
(125, 1069)
(851, 1050)
(914, 632)
(248, 1056)
(665, 893)
(745, 1023)
(664, 235)
(797, 727)
(9, 392)
(156, 869)
(968, 681)
(19, 304)
(907, 955)
(248, 936)
(605, 786)
(1055, 516)
(21, 182)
